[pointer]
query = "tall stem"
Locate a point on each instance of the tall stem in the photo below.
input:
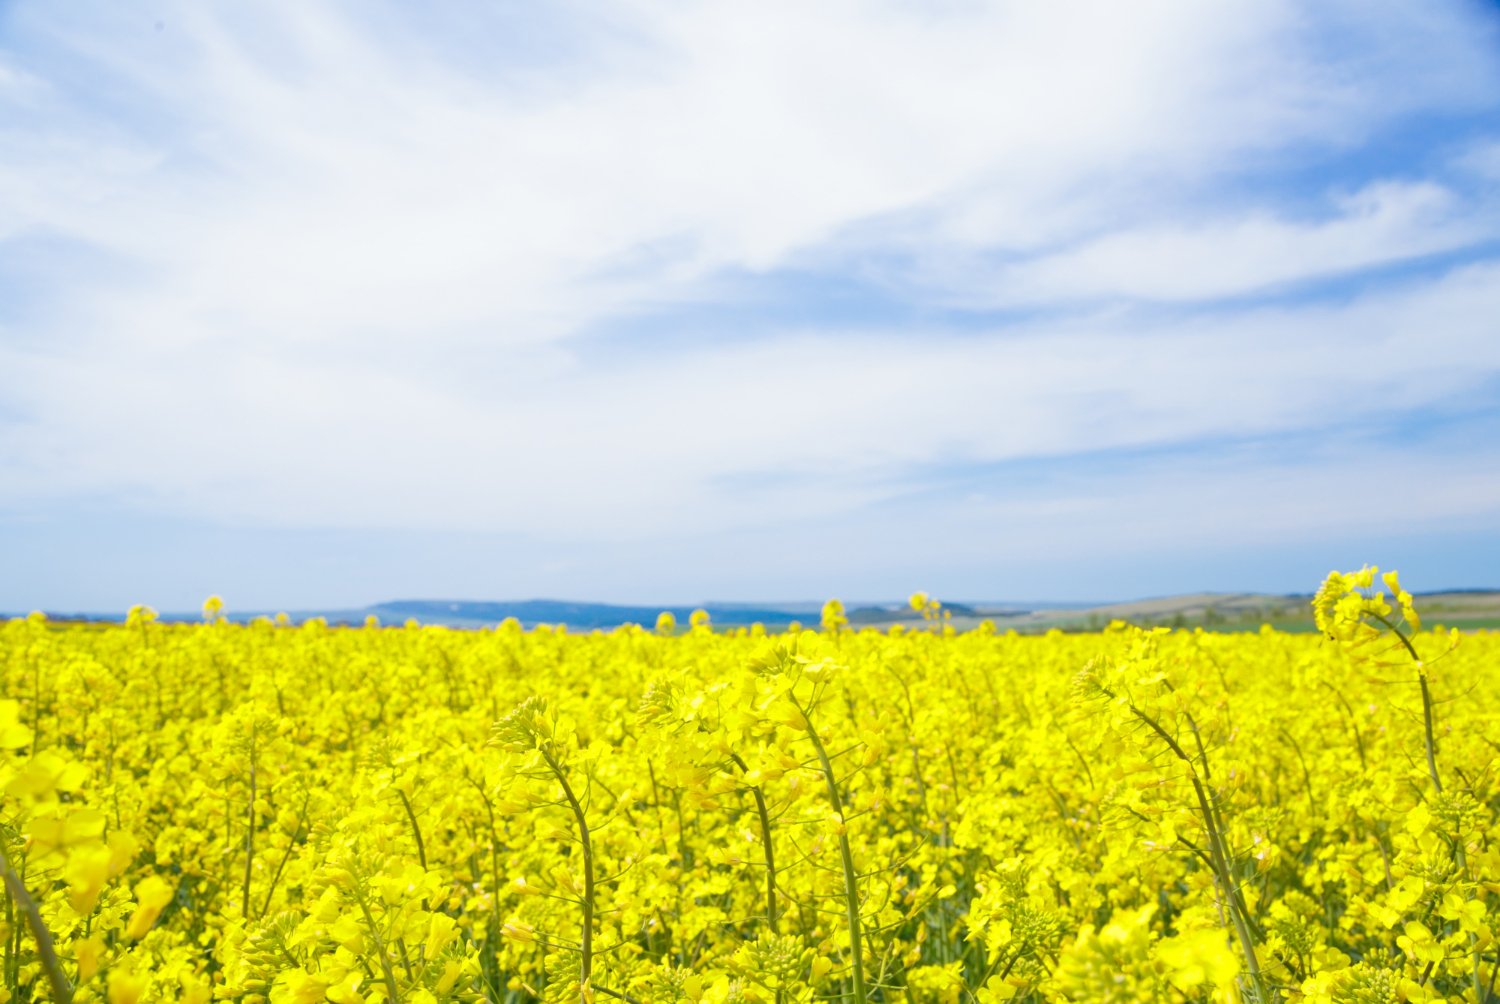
(285, 856)
(1460, 857)
(1432, 770)
(490, 958)
(416, 831)
(1426, 700)
(1237, 910)
(62, 990)
(385, 962)
(249, 833)
(1220, 856)
(765, 839)
(586, 943)
(851, 879)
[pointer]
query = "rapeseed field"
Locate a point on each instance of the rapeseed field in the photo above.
(277, 813)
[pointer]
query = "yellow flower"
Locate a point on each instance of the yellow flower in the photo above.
(13, 735)
(441, 930)
(47, 772)
(348, 932)
(1200, 957)
(518, 930)
(301, 987)
(86, 871)
(152, 895)
(451, 972)
(327, 797)
(87, 952)
(125, 986)
(1420, 943)
(346, 990)
(61, 834)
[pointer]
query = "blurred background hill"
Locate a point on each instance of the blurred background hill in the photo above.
(1468, 609)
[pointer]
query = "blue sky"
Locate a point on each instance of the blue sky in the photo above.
(653, 302)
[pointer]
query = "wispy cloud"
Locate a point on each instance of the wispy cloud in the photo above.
(349, 266)
(1380, 224)
(366, 439)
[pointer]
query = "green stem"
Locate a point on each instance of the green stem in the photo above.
(1359, 742)
(851, 881)
(10, 933)
(765, 837)
(1477, 977)
(1306, 774)
(1459, 857)
(1427, 729)
(586, 943)
(1426, 699)
(1237, 912)
(249, 833)
(385, 962)
(490, 958)
(285, 857)
(62, 990)
(416, 831)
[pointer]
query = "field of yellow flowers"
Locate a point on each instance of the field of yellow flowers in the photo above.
(272, 813)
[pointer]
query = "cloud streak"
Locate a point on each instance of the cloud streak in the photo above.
(337, 267)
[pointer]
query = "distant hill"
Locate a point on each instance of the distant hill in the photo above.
(1463, 608)
(900, 612)
(573, 614)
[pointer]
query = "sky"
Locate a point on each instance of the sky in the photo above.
(317, 305)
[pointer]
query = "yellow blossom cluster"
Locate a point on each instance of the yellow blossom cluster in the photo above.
(283, 814)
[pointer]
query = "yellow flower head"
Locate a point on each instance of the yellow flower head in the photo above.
(1348, 613)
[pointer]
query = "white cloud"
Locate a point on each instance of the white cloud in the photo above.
(771, 431)
(353, 268)
(1379, 224)
(1483, 159)
(314, 180)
